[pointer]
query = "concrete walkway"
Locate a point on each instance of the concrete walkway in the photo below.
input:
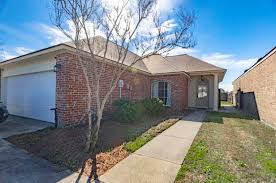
(160, 159)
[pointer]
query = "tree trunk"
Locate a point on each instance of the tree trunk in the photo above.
(89, 133)
(93, 134)
(94, 137)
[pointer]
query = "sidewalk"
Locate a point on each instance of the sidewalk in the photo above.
(160, 159)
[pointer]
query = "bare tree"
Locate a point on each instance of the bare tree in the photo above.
(129, 25)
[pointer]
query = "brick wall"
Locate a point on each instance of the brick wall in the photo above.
(71, 90)
(262, 81)
(179, 89)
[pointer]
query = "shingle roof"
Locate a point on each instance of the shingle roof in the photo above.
(191, 64)
(112, 52)
(155, 64)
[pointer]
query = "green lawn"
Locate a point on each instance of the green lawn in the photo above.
(231, 148)
(225, 103)
(138, 142)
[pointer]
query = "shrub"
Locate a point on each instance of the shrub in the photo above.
(140, 109)
(127, 111)
(153, 106)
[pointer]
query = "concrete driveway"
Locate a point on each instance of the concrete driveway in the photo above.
(17, 165)
(15, 125)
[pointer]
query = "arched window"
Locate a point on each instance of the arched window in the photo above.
(162, 90)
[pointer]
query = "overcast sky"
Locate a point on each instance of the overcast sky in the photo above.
(230, 34)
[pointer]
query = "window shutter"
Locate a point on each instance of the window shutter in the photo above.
(154, 89)
(169, 101)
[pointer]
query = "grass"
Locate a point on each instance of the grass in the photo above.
(231, 148)
(134, 145)
(225, 103)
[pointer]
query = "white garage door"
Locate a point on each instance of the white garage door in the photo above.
(32, 95)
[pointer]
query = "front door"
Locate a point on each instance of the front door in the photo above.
(202, 97)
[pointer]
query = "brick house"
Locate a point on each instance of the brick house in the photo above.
(34, 83)
(255, 90)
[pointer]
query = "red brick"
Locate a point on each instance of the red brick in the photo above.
(262, 81)
(71, 89)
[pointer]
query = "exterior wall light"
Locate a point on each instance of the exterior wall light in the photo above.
(57, 67)
(201, 78)
(120, 85)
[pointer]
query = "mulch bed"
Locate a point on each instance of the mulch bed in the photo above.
(104, 161)
(65, 146)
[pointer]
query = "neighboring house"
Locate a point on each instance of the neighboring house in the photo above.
(223, 95)
(31, 84)
(255, 90)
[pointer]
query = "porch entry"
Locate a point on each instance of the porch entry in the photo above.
(202, 96)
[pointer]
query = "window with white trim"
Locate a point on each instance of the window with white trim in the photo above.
(162, 90)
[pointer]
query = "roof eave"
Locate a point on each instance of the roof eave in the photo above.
(59, 47)
(171, 73)
(221, 73)
(35, 53)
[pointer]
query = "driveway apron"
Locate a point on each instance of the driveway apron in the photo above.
(19, 166)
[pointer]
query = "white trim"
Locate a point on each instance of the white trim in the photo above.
(33, 54)
(206, 73)
(155, 95)
(215, 92)
(33, 65)
(171, 73)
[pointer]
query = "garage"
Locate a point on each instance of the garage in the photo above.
(32, 95)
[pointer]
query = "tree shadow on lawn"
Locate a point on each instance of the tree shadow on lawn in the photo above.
(217, 117)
